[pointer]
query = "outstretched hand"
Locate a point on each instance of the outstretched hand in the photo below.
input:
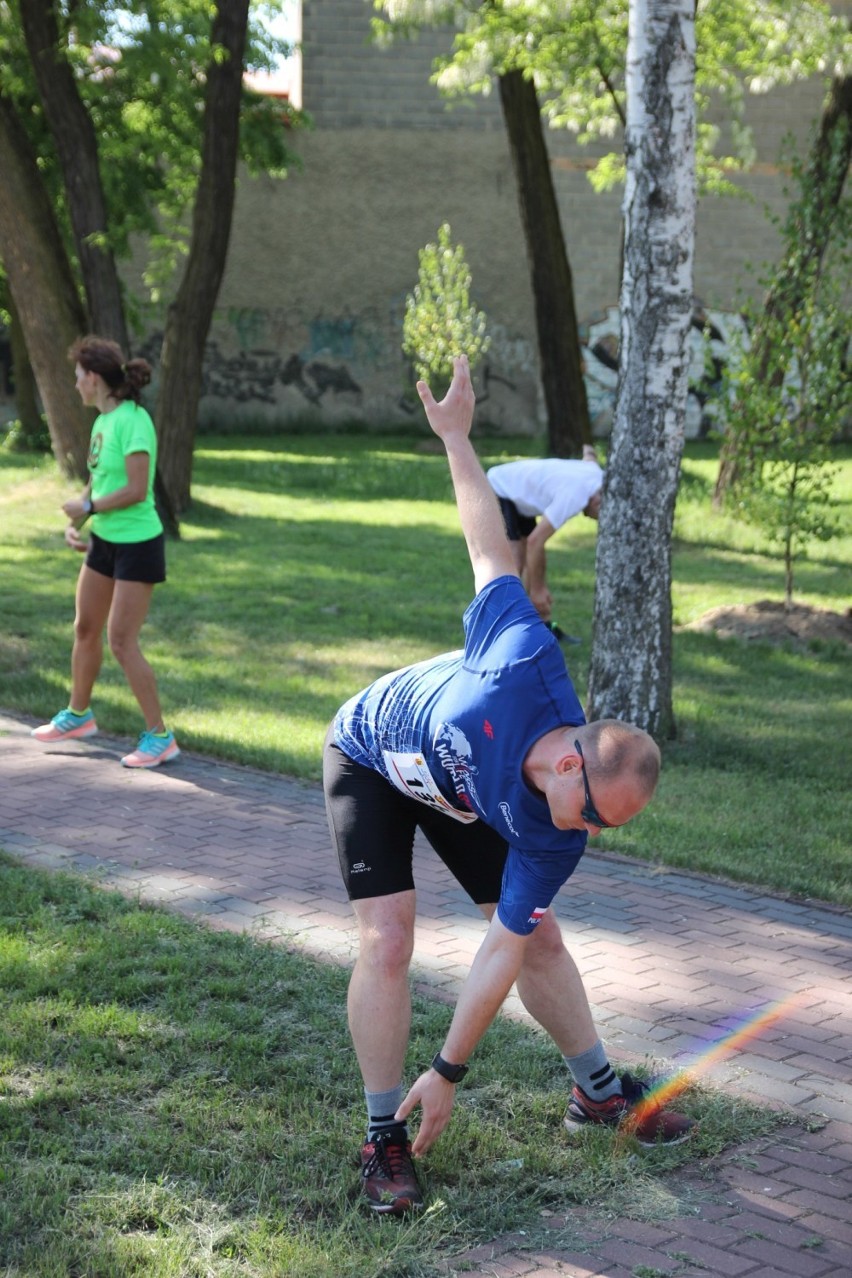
(453, 415)
(435, 1097)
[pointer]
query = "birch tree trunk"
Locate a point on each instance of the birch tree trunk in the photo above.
(631, 669)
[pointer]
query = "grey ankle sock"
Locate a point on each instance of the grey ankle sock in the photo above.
(381, 1108)
(593, 1073)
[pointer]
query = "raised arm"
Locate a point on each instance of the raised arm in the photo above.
(482, 524)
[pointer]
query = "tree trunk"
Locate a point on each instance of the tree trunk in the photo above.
(189, 316)
(827, 177)
(631, 669)
(43, 290)
(77, 148)
(26, 391)
(568, 425)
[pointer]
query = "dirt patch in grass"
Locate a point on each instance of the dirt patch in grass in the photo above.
(771, 622)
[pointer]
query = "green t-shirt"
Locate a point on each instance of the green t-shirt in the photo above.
(127, 429)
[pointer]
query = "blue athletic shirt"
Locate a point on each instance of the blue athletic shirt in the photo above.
(453, 732)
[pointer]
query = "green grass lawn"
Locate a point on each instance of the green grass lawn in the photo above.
(177, 1103)
(308, 566)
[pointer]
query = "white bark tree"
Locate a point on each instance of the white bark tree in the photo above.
(631, 668)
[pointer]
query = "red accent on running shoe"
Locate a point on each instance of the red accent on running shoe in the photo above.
(634, 1112)
(388, 1178)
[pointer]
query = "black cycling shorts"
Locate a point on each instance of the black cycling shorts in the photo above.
(373, 825)
(128, 561)
(517, 525)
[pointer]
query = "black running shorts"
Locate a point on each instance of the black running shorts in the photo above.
(517, 525)
(128, 561)
(373, 824)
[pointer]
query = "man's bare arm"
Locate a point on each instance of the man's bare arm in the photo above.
(482, 523)
(535, 576)
(495, 969)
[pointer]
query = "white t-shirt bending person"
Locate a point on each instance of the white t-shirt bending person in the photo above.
(537, 496)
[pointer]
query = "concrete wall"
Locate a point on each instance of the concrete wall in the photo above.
(309, 319)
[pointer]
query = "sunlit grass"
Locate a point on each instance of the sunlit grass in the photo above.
(309, 566)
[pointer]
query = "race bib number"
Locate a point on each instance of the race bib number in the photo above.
(410, 774)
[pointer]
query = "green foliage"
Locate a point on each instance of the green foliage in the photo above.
(140, 67)
(18, 439)
(576, 54)
(788, 394)
(440, 320)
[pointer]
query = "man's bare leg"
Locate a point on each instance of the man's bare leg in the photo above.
(379, 996)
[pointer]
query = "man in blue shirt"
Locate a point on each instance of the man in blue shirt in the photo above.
(488, 752)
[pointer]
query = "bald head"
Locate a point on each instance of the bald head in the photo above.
(621, 754)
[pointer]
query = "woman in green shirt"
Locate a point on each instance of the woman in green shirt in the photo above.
(125, 550)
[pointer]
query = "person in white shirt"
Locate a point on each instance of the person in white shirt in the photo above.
(537, 496)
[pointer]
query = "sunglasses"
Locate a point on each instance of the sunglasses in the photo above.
(590, 812)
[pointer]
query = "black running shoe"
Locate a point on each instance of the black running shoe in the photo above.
(635, 1112)
(560, 635)
(388, 1177)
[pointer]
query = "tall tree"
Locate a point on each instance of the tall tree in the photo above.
(190, 314)
(43, 290)
(631, 668)
(568, 426)
(77, 148)
(141, 84)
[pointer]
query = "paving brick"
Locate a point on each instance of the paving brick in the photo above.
(726, 1264)
(649, 1235)
(823, 1226)
(566, 1265)
(803, 1262)
(633, 1255)
(508, 1266)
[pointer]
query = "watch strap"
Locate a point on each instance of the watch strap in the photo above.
(452, 1073)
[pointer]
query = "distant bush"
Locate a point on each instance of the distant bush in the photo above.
(440, 320)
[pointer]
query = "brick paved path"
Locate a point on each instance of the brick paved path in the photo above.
(666, 958)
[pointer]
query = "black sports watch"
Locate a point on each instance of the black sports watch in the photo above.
(452, 1073)
(88, 506)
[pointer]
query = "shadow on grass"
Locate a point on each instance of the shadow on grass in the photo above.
(364, 468)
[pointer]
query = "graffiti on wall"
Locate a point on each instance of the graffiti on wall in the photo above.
(709, 350)
(276, 360)
(255, 355)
